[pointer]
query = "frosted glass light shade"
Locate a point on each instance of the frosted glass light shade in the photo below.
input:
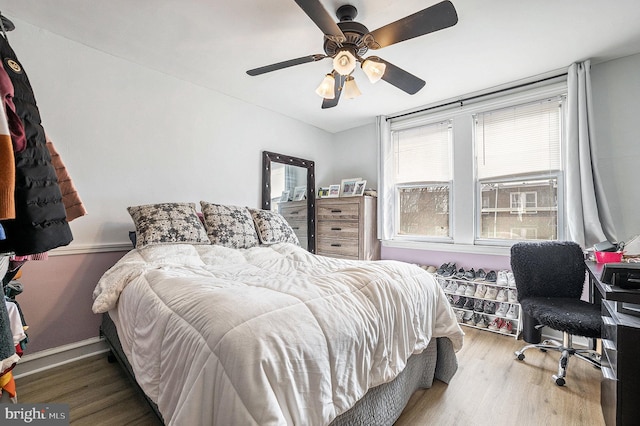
(351, 88)
(327, 87)
(344, 62)
(373, 69)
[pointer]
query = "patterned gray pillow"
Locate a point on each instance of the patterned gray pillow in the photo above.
(229, 226)
(273, 228)
(167, 223)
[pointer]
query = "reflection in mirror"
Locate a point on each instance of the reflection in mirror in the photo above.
(289, 188)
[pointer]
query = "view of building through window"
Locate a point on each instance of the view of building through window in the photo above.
(424, 210)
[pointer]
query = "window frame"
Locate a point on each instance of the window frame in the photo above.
(465, 194)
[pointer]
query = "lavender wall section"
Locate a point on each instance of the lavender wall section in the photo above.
(437, 258)
(57, 298)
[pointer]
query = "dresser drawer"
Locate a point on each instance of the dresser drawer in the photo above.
(333, 229)
(347, 248)
(337, 211)
(294, 212)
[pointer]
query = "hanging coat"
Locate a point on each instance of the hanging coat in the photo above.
(40, 224)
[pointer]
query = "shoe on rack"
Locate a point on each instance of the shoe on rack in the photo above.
(495, 324)
(502, 295)
(470, 290)
(452, 287)
(460, 302)
(481, 290)
(511, 280)
(502, 278)
(460, 316)
(512, 313)
(470, 275)
(442, 268)
(489, 307)
(482, 321)
(478, 305)
(468, 317)
(460, 274)
(502, 309)
(431, 269)
(469, 304)
(450, 299)
(481, 275)
(491, 293)
(461, 289)
(450, 270)
(506, 327)
(512, 296)
(491, 276)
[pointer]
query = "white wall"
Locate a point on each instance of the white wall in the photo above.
(129, 135)
(616, 98)
(355, 154)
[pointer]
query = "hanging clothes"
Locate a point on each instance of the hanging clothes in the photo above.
(70, 197)
(40, 224)
(7, 171)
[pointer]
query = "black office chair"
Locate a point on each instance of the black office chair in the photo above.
(549, 278)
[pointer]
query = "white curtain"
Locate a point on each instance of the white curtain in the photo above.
(385, 180)
(588, 217)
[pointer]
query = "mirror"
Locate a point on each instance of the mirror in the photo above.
(288, 187)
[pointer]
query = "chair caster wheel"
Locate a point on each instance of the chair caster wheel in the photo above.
(519, 356)
(542, 350)
(111, 359)
(559, 380)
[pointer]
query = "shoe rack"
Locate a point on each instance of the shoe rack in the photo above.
(486, 301)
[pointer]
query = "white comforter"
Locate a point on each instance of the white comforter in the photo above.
(269, 335)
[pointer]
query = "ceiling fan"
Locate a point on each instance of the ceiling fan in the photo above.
(347, 41)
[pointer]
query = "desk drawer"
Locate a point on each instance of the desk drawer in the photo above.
(609, 356)
(337, 211)
(609, 326)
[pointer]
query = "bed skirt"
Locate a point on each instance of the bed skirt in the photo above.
(382, 405)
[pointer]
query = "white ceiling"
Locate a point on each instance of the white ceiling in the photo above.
(213, 43)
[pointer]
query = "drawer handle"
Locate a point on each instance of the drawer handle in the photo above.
(295, 228)
(336, 211)
(336, 229)
(336, 245)
(294, 212)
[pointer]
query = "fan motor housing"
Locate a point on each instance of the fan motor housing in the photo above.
(353, 32)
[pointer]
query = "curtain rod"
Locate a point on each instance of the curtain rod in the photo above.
(462, 101)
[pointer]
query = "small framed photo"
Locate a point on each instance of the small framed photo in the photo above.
(299, 193)
(334, 191)
(348, 187)
(323, 192)
(360, 187)
(285, 196)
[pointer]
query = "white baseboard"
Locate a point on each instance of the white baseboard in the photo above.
(54, 357)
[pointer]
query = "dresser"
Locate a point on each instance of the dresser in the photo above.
(619, 395)
(295, 213)
(346, 228)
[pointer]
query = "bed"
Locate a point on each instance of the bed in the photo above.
(272, 334)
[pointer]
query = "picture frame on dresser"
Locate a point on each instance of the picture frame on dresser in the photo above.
(299, 193)
(348, 187)
(285, 196)
(334, 191)
(360, 187)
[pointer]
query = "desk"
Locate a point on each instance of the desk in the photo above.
(620, 394)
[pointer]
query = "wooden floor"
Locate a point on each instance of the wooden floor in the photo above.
(490, 388)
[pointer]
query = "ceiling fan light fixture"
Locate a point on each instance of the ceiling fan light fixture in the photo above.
(326, 89)
(351, 89)
(373, 69)
(344, 62)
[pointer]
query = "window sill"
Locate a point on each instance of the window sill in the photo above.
(445, 247)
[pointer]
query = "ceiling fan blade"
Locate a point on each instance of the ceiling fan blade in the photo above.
(285, 64)
(437, 17)
(330, 103)
(324, 21)
(400, 78)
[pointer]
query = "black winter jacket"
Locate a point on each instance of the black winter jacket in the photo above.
(40, 224)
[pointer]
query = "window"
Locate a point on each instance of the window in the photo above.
(518, 163)
(483, 174)
(422, 178)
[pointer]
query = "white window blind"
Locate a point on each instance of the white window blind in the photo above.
(522, 139)
(422, 154)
